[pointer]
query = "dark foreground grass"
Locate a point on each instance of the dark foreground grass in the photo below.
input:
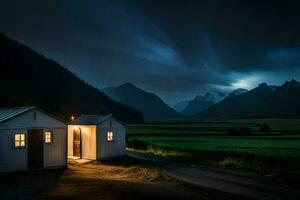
(269, 163)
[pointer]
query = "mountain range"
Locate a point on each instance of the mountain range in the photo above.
(236, 92)
(28, 78)
(148, 103)
(180, 106)
(264, 101)
(200, 103)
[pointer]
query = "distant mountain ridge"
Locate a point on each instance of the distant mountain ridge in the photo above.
(148, 103)
(200, 103)
(263, 101)
(236, 92)
(180, 106)
(28, 78)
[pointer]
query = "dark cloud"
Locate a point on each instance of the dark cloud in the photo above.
(175, 48)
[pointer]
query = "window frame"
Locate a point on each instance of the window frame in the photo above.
(51, 136)
(20, 140)
(112, 136)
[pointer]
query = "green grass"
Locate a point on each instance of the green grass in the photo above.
(277, 146)
(207, 142)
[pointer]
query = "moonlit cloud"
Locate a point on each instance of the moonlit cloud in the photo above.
(247, 81)
(243, 83)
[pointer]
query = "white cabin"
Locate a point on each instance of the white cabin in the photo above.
(31, 139)
(96, 137)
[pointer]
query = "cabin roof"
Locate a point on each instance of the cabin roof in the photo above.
(10, 112)
(91, 119)
(7, 113)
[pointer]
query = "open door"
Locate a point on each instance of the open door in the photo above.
(35, 149)
(77, 143)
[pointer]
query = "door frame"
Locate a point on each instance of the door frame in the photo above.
(28, 146)
(80, 142)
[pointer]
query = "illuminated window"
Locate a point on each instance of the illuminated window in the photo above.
(110, 136)
(19, 140)
(48, 137)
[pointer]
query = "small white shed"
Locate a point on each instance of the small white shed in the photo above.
(96, 137)
(31, 139)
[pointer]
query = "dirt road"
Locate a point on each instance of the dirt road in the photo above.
(237, 183)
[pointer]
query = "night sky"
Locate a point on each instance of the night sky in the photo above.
(177, 49)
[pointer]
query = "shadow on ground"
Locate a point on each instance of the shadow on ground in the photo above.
(28, 185)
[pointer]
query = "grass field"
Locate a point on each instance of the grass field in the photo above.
(212, 127)
(210, 141)
(275, 146)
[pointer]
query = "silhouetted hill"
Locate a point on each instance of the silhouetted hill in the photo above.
(200, 103)
(148, 103)
(28, 78)
(262, 102)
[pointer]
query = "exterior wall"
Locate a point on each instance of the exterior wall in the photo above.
(16, 159)
(11, 158)
(88, 141)
(107, 149)
(55, 152)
